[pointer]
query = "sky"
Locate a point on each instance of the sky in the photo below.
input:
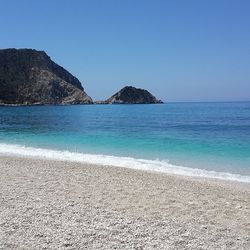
(179, 50)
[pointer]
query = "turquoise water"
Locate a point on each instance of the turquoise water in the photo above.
(211, 136)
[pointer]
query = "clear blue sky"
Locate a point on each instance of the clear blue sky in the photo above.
(179, 50)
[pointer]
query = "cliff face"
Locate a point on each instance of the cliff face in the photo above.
(29, 76)
(132, 95)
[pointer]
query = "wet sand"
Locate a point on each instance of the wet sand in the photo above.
(63, 205)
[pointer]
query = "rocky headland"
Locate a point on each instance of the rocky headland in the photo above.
(131, 95)
(28, 77)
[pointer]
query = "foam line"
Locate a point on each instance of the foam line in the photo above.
(127, 162)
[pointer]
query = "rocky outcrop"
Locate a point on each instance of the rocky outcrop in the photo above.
(131, 95)
(28, 76)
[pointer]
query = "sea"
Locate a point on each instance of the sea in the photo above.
(194, 139)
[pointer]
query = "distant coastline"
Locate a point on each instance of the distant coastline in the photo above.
(30, 77)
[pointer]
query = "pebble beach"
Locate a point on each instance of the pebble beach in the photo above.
(49, 204)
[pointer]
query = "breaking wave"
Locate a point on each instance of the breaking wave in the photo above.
(126, 162)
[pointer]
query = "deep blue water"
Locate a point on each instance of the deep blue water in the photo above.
(212, 136)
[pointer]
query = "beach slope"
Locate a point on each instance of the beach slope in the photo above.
(62, 205)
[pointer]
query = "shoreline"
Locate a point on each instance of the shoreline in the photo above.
(66, 205)
(16, 150)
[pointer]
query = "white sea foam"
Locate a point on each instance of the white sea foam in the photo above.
(127, 162)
